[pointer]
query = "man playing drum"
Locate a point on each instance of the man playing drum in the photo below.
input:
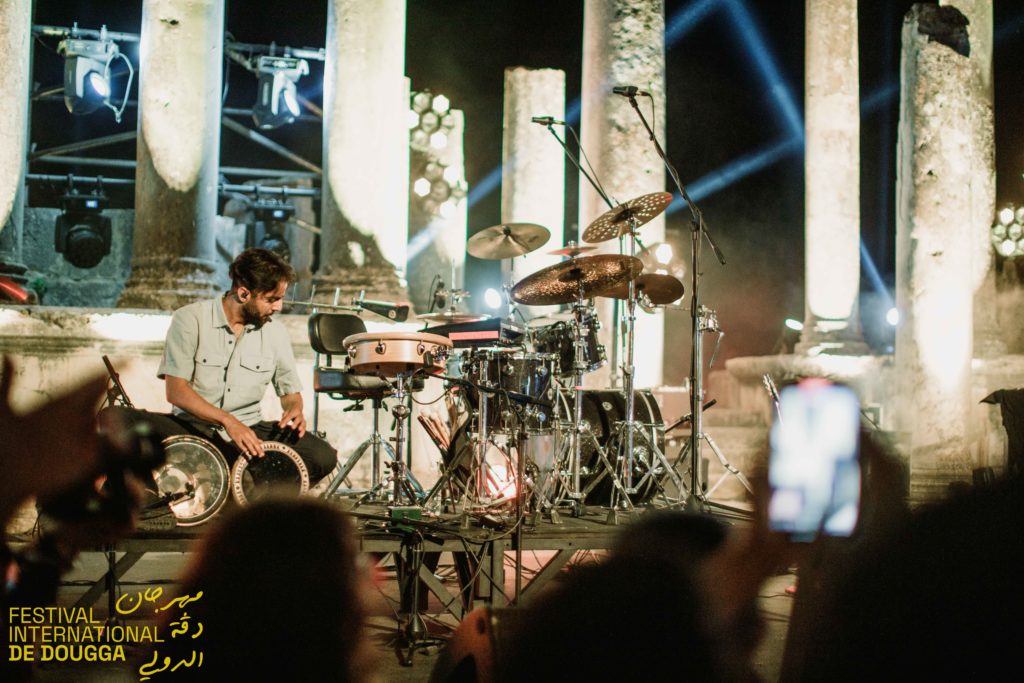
(219, 357)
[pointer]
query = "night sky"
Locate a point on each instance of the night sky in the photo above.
(728, 75)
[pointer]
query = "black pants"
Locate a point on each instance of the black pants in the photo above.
(319, 456)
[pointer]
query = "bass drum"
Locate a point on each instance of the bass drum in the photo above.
(279, 470)
(604, 413)
(193, 479)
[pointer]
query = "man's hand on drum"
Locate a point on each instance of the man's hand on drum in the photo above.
(292, 417)
(243, 437)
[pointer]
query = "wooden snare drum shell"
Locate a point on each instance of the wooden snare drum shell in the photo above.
(393, 353)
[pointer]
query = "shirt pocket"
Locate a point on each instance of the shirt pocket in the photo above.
(261, 367)
(210, 372)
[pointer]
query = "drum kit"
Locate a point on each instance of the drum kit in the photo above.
(529, 420)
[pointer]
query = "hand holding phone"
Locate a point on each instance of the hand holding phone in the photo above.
(813, 468)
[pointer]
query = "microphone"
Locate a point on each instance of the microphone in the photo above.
(396, 312)
(547, 121)
(630, 91)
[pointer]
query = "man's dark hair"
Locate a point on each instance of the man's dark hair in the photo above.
(259, 270)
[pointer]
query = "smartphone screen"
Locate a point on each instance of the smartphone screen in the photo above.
(813, 469)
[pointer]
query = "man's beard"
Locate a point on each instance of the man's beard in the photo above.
(250, 316)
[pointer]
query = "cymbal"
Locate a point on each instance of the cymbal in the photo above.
(507, 240)
(582, 277)
(660, 288)
(617, 221)
(572, 250)
(451, 317)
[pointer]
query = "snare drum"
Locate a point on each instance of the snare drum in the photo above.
(390, 354)
(279, 470)
(194, 479)
(559, 339)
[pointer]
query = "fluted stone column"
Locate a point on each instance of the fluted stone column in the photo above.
(987, 338)
(533, 164)
(624, 44)
(832, 180)
(364, 212)
(177, 152)
(15, 39)
(940, 132)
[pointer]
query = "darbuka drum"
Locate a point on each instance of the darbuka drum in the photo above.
(559, 339)
(279, 470)
(389, 354)
(604, 411)
(194, 479)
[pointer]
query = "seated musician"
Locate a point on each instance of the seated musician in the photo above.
(219, 357)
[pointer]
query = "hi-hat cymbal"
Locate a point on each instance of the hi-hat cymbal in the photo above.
(507, 240)
(572, 250)
(451, 317)
(581, 277)
(660, 288)
(617, 221)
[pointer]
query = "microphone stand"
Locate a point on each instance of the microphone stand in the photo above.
(696, 501)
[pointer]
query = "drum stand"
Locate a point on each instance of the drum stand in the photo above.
(375, 443)
(402, 481)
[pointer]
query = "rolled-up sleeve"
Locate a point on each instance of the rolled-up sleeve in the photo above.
(286, 376)
(180, 348)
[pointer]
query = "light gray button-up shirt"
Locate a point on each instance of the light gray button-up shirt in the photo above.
(229, 373)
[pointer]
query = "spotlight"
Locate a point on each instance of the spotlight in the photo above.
(277, 103)
(81, 232)
(892, 316)
(267, 212)
(492, 298)
(1007, 232)
(794, 324)
(87, 73)
(661, 257)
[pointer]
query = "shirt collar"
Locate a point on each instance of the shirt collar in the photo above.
(219, 319)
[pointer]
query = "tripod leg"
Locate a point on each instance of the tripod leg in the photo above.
(727, 465)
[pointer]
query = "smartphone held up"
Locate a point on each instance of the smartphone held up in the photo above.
(814, 470)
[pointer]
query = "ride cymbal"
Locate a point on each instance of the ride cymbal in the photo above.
(507, 240)
(580, 278)
(617, 221)
(660, 288)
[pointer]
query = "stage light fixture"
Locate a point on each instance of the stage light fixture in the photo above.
(794, 324)
(277, 102)
(87, 84)
(1007, 232)
(892, 316)
(269, 210)
(492, 298)
(82, 232)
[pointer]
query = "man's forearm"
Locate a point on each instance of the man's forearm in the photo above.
(181, 394)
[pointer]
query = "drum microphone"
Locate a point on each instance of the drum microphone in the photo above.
(396, 312)
(547, 121)
(630, 91)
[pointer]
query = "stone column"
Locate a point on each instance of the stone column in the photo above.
(15, 41)
(364, 213)
(624, 44)
(940, 132)
(533, 164)
(987, 339)
(177, 154)
(832, 180)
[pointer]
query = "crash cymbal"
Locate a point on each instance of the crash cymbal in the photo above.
(507, 240)
(660, 288)
(617, 221)
(572, 250)
(582, 277)
(451, 317)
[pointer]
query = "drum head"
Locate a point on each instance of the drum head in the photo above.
(194, 478)
(280, 470)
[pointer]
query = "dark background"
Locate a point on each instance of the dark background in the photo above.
(721, 108)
